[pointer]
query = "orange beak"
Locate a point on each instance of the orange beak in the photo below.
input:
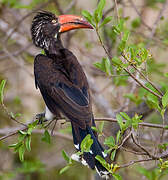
(69, 22)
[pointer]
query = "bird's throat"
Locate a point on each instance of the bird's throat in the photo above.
(55, 47)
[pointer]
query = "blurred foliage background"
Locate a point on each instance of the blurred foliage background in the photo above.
(148, 25)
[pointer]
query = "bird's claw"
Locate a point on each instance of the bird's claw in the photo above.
(41, 118)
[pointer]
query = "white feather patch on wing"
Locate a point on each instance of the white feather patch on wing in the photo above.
(84, 162)
(76, 146)
(91, 152)
(48, 114)
(104, 154)
(75, 157)
(97, 171)
(103, 174)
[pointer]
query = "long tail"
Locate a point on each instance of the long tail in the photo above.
(88, 159)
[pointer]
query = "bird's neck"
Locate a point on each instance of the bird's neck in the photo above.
(55, 47)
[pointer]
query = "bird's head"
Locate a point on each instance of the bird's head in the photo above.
(46, 26)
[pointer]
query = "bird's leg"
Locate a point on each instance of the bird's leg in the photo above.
(40, 117)
(45, 116)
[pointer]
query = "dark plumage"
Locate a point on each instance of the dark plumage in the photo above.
(62, 82)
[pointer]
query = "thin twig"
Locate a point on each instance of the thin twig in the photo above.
(125, 139)
(150, 125)
(143, 22)
(102, 44)
(11, 117)
(132, 90)
(116, 6)
(37, 131)
(110, 9)
(157, 20)
(150, 82)
(142, 148)
(134, 162)
(149, 90)
(16, 25)
(12, 133)
(71, 4)
(16, 53)
(16, 61)
(133, 152)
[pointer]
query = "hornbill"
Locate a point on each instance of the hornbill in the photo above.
(63, 83)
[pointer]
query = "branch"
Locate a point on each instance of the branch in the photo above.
(125, 69)
(11, 117)
(142, 148)
(143, 22)
(142, 85)
(150, 125)
(13, 131)
(133, 152)
(134, 162)
(157, 20)
(150, 82)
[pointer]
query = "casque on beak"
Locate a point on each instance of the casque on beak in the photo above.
(69, 22)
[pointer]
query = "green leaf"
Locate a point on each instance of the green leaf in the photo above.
(13, 145)
(134, 98)
(136, 120)
(88, 16)
(102, 161)
(96, 17)
(101, 126)
(165, 99)
(86, 143)
(42, 52)
(29, 131)
(118, 136)
(110, 141)
(46, 137)
(28, 143)
(2, 86)
(146, 173)
(136, 23)
(116, 61)
(113, 155)
(166, 74)
(21, 137)
(126, 35)
(125, 116)
(65, 156)
(117, 177)
(116, 30)
(34, 124)
(21, 152)
(18, 115)
(153, 101)
(106, 65)
(98, 65)
(120, 121)
(100, 8)
(95, 129)
(64, 169)
(22, 132)
(105, 21)
(121, 46)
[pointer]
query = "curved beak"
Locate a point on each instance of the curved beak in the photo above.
(69, 22)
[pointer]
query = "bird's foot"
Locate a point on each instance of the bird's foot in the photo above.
(41, 118)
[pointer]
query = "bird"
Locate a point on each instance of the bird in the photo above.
(63, 83)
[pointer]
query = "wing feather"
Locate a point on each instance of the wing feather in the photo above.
(60, 93)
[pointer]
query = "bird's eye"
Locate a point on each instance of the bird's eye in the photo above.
(54, 21)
